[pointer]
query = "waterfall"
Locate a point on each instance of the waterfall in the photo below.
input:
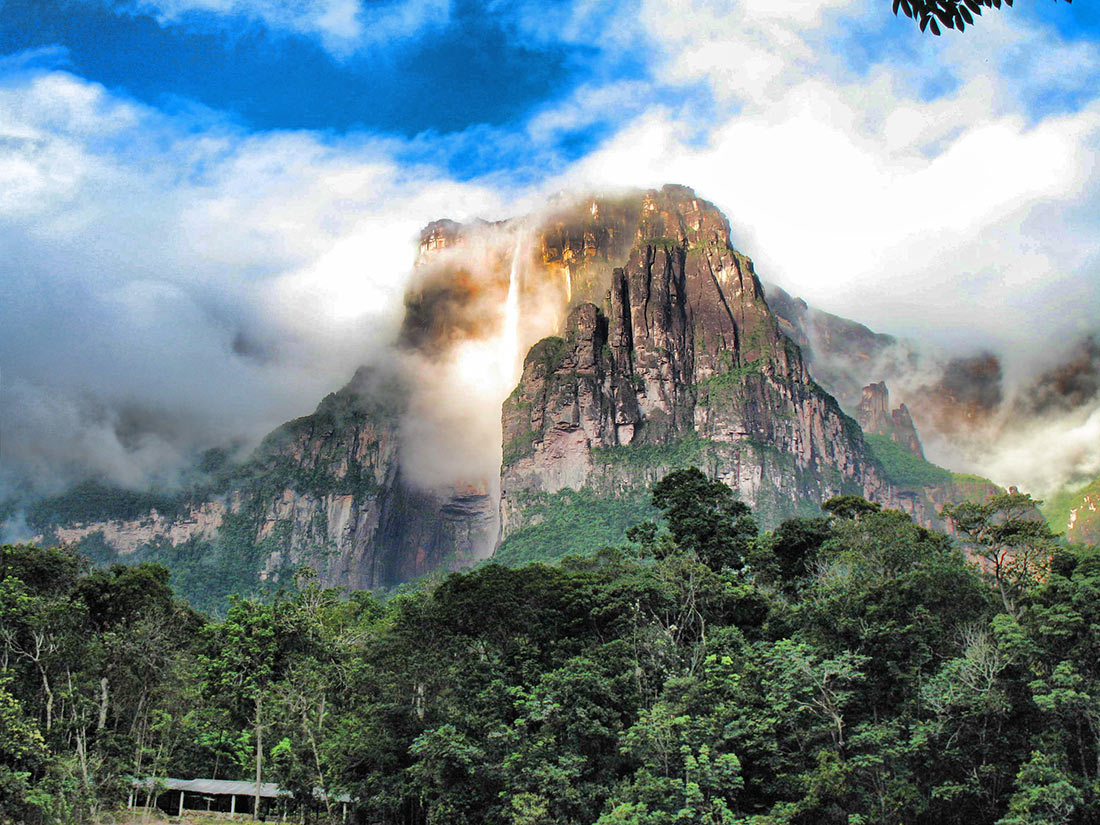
(509, 340)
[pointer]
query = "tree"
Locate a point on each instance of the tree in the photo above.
(795, 544)
(243, 659)
(1045, 795)
(850, 507)
(1057, 642)
(23, 757)
(1010, 537)
(705, 518)
(953, 14)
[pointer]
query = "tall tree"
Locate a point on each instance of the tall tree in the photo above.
(242, 660)
(1010, 537)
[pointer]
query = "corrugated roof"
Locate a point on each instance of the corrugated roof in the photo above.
(214, 786)
(268, 790)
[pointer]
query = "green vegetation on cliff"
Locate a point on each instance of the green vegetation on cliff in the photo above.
(722, 388)
(1058, 507)
(205, 573)
(902, 467)
(616, 494)
(678, 453)
(572, 522)
(93, 501)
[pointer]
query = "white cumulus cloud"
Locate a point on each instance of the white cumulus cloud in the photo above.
(228, 279)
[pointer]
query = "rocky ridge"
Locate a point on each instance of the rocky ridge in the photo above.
(655, 347)
(671, 356)
(876, 418)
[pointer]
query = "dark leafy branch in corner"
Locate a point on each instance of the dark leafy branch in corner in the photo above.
(953, 14)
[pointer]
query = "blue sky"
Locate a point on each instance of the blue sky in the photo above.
(212, 205)
(450, 68)
(441, 78)
(464, 64)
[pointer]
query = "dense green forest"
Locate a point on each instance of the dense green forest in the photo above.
(853, 668)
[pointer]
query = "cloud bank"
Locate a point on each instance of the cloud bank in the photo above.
(223, 279)
(168, 265)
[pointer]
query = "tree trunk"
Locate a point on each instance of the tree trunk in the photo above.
(316, 753)
(102, 704)
(259, 757)
(1010, 608)
(49, 698)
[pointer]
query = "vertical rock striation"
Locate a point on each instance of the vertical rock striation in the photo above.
(875, 416)
(682, 361)
(661, 350)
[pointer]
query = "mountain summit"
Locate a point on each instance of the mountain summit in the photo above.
(625, 337)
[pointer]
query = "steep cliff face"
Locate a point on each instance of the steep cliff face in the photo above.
(949, 396)
(330, 491)
(326, 490)
(682, 361)
(841, 354)
(649, 345)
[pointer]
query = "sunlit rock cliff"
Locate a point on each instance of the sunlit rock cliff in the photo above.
(549, 369)
(670, 355)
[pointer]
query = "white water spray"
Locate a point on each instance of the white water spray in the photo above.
(509, 339)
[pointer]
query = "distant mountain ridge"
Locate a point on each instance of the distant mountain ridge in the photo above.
(657, 347)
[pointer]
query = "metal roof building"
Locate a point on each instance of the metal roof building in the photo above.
(222, 787)
(210, 790)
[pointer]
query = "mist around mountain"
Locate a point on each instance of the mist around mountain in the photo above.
(549, 369)
(622, 337)
(976, 411)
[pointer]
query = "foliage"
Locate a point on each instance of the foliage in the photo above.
(725, 385)
(669, 455)
(952, 14)
(1058, 507)
(23, 754)
(95, 501)
(1008, 533)
(571, 521)
(904, 468)
(550, 352)
(845, 668)
(205, 573)
(704, 518)
(519, 446)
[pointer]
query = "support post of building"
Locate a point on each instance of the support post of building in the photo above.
(182, 795)
(232, 804)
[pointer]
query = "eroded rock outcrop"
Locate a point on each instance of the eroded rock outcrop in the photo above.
(875, 416)
(680, 360)
(656, 348)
